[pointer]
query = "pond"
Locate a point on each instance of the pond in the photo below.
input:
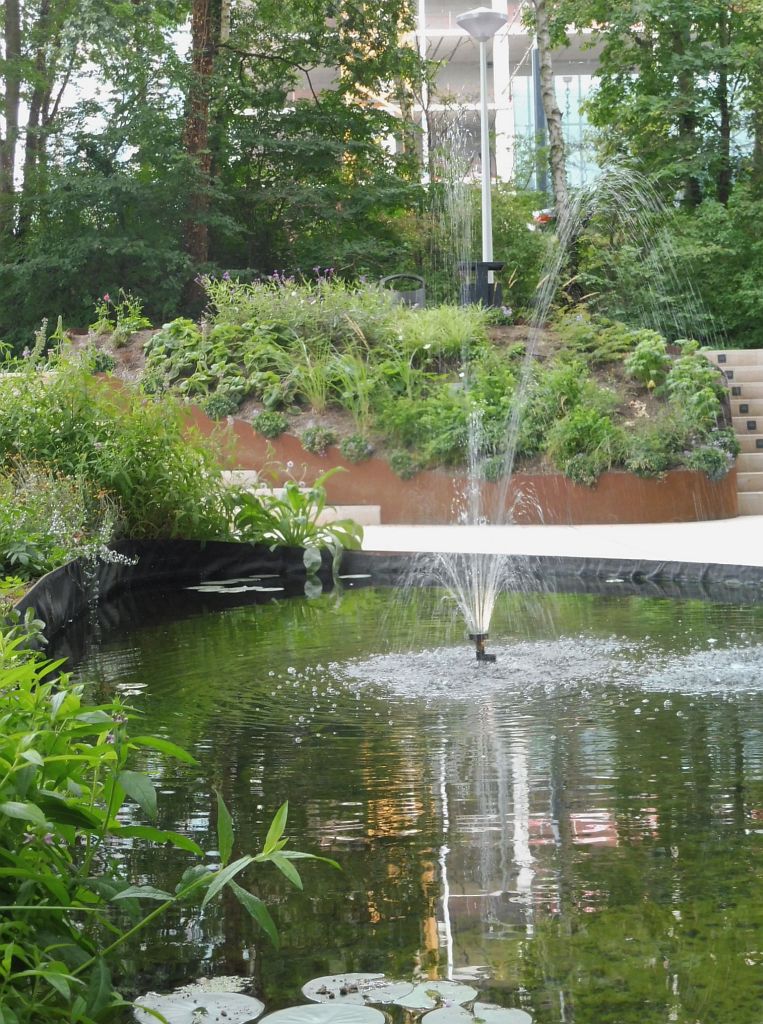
(577, 829)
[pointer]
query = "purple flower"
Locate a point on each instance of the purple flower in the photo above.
(26, 353)
(111, 738)
(226, 276)
(48, 839)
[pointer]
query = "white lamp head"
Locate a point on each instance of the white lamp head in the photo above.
(482, 23)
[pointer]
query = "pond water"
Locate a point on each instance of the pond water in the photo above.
(578, 827)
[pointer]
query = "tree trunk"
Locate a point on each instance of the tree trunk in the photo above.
(11, 80)
(687, 121)
(205, 31)
(724, 175)
(723, 179)
(556, 149)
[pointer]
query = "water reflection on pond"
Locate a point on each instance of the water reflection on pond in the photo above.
(578, 827)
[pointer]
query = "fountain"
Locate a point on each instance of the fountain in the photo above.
(632, 203)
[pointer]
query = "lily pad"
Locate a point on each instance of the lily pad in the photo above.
(326, 1013)
(449, 1015)
(193, 1003)
(358, 989)
(428, 994)
(493, 1014)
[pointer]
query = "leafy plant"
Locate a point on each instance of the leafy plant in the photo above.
(296, 519)
(356, 448)
(584, 444)
(649, 362)
(317, 439)
(220, 404)
(120, 318)
(270, 424)
(405, 464)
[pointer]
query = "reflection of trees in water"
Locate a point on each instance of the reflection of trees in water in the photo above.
(662, 916)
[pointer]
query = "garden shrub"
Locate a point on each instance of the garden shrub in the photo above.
(585, 443)
(356, 448)
(270, 424)
(649, 362)
(47, 519)
(163, 478)
(220, 404)
(404, 463)
(317, 439)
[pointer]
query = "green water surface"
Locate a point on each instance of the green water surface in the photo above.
(579, 828)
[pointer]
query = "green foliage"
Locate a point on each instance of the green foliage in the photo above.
(713, 460)
(119, 318)
(96, 360)
(270, 424)
(697, 387)
(161, 478)
(68, 772)
(219, 404)
(585, 443)
(47, 519)
(356, 448)
(404, 463)
(649, 362)
(317, 439)
(295, 518)
(596, 338)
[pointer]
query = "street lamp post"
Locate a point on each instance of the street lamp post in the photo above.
(482, 23)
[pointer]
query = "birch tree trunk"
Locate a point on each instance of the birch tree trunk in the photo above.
(557, 154)
(10, 96)
(205, 34)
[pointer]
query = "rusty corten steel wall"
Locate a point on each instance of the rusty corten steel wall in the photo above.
(432, 496)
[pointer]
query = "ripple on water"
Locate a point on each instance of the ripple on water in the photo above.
(563, 664)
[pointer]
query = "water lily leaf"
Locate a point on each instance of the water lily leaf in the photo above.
(326, 1013)
(346, 988)
(428, 994)
(490, 1013)
(193, 1003)
(448, 1015)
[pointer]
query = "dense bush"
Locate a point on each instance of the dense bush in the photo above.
(162, 478)
(318, 439)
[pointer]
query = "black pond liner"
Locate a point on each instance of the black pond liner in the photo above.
(144, 573)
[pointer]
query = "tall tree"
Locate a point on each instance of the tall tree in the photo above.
(556, 148)
(675, 85)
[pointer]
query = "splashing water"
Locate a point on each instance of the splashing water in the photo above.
(633, 206)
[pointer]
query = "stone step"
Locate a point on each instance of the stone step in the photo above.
(737, 357)
(750, 462)
(741, 392)
(743, 374)
(745, 425)
(746, 407)
(751, 443)
(750, 481)
(751, 504)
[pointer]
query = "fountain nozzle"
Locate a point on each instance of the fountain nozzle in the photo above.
(479, 644)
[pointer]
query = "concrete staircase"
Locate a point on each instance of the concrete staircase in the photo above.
(743, 369)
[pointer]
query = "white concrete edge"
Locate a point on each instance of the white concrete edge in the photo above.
(736, 541)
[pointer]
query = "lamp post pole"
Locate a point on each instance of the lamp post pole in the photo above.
(482, 23)
(487, 208)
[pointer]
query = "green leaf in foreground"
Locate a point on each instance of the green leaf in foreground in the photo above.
(257, 909)
(141, 789)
